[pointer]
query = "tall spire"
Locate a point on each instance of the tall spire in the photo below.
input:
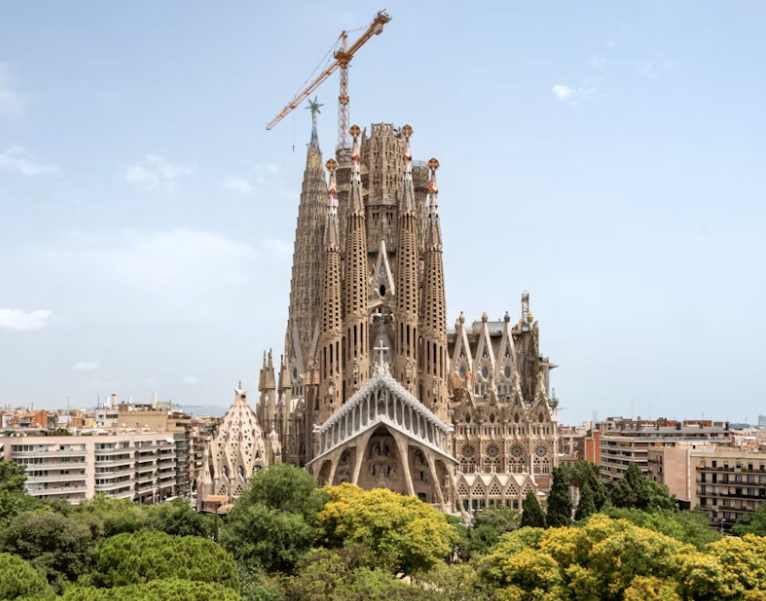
(329, 349)
(434, 324)
(356, 282)
(306, 283)
(407, 267)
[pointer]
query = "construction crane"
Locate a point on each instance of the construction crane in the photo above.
(342, 56)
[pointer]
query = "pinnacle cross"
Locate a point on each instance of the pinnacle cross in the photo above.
(381, 349)
(314, 108)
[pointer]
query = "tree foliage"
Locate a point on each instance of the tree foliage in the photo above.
(272, 525)
(346, 575)
(691, 527)
(172, 589)
(586, 506)
(403, 532)
(117, 516)
(752, 523)
(559, 500)
(63, 548)
(177, 518)
(134, 558)
(19, 579)
(635, 491)
(487, 527)
(532, 515)
(13, 496)
(586, 472)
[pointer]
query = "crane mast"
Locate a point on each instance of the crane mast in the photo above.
(342, 56)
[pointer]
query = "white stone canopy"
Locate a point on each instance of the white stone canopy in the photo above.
(383, 401)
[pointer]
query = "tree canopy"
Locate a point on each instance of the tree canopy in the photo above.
(272, 524)
(752, 523)
(19, 579)
(62, 547)
(403, 532)
(172, 589)
(135, 558)
(532, 515)
(559, 509)
(13, 496)
(634, 490)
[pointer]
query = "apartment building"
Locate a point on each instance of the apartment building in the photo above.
(627, 441)
(142, 467)
(728, 483)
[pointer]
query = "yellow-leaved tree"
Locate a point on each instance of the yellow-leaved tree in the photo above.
(402, 532)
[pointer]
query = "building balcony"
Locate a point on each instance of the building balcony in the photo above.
(59, 490)
(123, 494)
(167, 484)
(46, 454)
(57, 478)
(145, 486)
(128, 451)
(114, 485)
(115, 462)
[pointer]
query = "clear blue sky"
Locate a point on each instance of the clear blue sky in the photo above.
(607, 157)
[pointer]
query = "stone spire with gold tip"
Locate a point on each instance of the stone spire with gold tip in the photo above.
(356, 328)
(407, 267)
(434, 316)
(329, 348)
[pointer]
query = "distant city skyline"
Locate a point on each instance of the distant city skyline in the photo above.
(607, 159)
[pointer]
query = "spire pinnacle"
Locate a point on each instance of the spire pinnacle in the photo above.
(407, 132)
(356, 153)
(314, 108)
(433, 189)
(408, 192)
(357, 203)
(331, 238)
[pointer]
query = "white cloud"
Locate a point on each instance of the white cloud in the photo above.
(175, 276)
(563, 92)
(597, 61)
(15, 319)
(237, 184)
(20, 160)
(191, 380)
(157, 173)
(86, 366)
(12, 102)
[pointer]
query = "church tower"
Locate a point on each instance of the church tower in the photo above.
(306, 284)
(267, 387)
(434, 316)
(355, 286)
(330, 339)
(407, 268)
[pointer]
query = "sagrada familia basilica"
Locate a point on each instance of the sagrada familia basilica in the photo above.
(373, 388)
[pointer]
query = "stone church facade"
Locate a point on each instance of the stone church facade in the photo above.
(373, 387)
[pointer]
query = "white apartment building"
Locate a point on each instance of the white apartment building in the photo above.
(142, 467)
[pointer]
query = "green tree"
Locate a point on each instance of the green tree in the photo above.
(177, 518)
(345, 575)
(532, 514)
(13, 496)
(286, 488)
(752, 523)
(256, 585)
(19, 579)
(402, 532)
(172, 589)
(61, 547)
(583, 472)
(559, 501)
(134, 558)
(116, 515)
(487, 527)
(586, 506)
(272, 524)
(634, 490)
(263, 537)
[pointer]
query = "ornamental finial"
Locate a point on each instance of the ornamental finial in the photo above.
(433, 188)
(407, 157)
(332, 187)
(356, 153)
